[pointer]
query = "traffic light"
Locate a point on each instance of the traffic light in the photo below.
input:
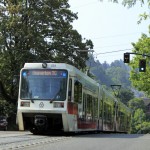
(126, 58)
(142, 65)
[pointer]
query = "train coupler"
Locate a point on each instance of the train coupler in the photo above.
(40, 121)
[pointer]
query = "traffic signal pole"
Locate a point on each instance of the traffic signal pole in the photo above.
(142, 62)
(138, 54)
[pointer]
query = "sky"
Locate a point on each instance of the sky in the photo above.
(110, 26)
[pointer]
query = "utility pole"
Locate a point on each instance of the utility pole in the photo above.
(90, 50)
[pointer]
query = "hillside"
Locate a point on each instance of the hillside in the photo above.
(107, 74)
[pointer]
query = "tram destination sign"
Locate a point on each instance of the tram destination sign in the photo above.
(47, 72)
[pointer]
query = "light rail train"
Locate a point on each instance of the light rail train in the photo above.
(59, 97)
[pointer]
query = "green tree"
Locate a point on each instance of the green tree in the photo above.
(6, 109)
(126, 95)
(137, 119)
(145, 127)
(136, 103)
(140, 122)
(141, 80)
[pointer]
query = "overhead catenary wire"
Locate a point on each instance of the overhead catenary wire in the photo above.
(113, 51)
(116, 35)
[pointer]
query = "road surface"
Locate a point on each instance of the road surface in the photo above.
(10, 140)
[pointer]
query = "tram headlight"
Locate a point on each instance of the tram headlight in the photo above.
(25, 104)
(58, 105)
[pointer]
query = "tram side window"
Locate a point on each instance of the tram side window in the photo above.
(107, 112)
(84, 104)
(101, 109)
(77, 92)
(89, 108)
(122, 119)
(95, 108)
(70, 90)
(128, 121)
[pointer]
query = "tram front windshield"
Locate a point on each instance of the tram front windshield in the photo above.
(43, 84)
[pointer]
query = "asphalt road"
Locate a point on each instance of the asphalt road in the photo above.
(100, 142)
(27, 141)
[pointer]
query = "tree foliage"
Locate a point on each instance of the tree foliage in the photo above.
(140, 120)
(141, 80)
(138, 117)
(139, 123)
(136, 103)
(126, 95)
(6, 109)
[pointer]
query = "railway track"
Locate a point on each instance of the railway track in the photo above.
(18, 140)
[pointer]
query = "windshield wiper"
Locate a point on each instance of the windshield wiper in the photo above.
(53, 99)
(32, 100)
(30, 95)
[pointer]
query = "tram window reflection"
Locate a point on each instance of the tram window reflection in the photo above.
(77, 92)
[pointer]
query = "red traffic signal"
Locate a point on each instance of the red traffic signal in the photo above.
(142, 65)
(126, 58)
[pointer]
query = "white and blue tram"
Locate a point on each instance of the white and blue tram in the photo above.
(59, 97)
